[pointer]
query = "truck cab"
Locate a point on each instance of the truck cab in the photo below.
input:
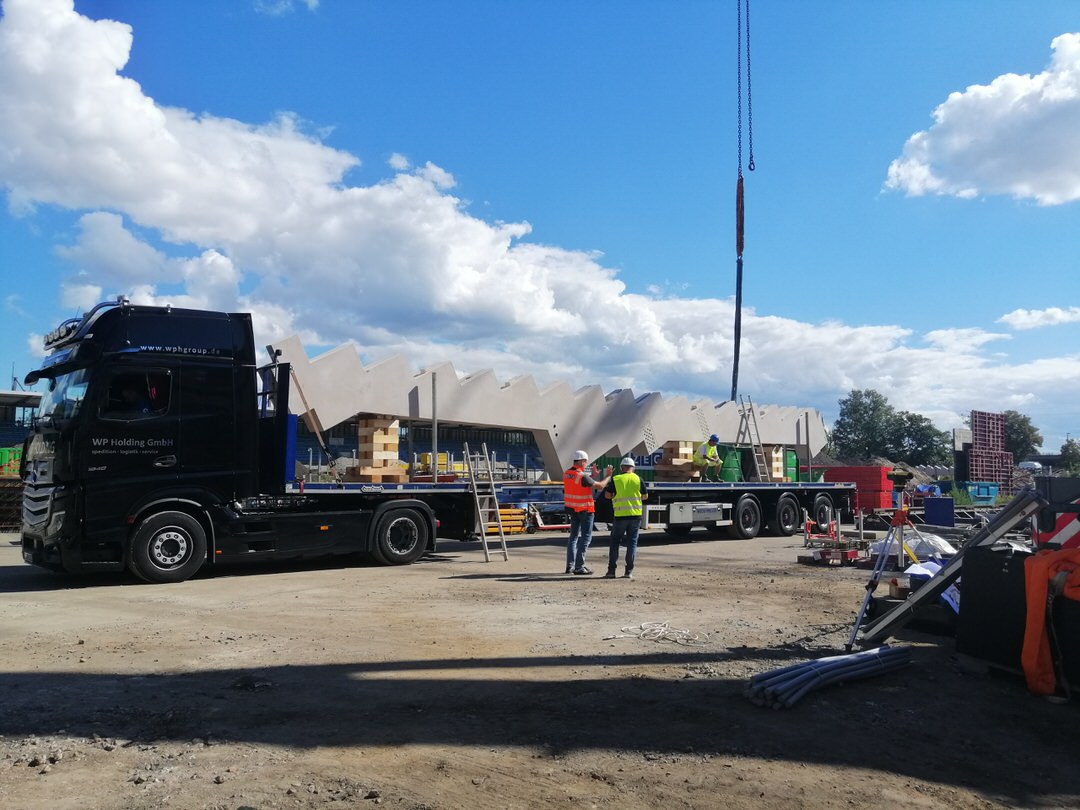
(143, 414)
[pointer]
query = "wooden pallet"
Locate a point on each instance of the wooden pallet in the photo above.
(378, 475)
(828, 556)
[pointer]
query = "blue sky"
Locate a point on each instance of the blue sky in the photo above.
(548, 188)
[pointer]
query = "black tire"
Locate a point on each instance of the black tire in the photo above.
(822, 513)
(787, 517)
(678, 531)
(747, 518)
(167, 547)
(401, 537)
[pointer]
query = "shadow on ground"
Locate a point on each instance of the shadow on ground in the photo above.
(672, 701)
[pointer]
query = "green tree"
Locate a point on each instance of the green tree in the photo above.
(1070, 457)
(916, 441)
(869, 426)
(862, 428)
(1022, 438)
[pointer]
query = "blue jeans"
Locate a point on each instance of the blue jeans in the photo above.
(580, 538)
(623, 528)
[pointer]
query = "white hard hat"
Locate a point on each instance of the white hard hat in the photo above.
(627, 462)
(581, 455)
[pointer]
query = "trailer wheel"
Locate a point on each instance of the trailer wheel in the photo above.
(401, 537)
(786, 518)
(747, 518)
(167, 547)
(823, 512)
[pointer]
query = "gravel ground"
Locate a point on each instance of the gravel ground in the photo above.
(457, 683)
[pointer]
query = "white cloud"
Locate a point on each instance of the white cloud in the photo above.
(275, 8)
(35, 345)
(1034, 318)
(961, 340)
(1017, 136)
(261, 219)
(113, 255)
(79, 297)
(12, 304)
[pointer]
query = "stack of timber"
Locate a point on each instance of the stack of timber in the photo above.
(776, 463)
(514, 521)
(377, 458)
(677, 463)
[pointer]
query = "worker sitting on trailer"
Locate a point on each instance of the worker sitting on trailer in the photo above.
(707, 459)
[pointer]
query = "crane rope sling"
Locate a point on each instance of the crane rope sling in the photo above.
(739, 205)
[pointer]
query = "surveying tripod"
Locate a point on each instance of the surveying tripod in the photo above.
(896, 534)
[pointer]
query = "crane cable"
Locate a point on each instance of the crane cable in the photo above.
(739, 200)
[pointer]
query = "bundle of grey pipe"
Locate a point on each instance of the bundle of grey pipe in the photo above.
(781, 688)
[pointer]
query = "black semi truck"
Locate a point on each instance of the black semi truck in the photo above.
(159, 446)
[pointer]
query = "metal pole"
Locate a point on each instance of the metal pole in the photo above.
(738, 319)
(434, 432)
(809, 457)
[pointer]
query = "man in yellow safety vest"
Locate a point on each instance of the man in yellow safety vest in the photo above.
(626, 494)
(707, 459)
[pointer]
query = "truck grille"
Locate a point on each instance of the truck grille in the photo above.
(36, 500)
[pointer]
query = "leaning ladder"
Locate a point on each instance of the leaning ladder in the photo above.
(482, 484)
(750, 427)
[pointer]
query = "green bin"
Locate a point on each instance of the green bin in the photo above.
(732, 469)
(791, 465)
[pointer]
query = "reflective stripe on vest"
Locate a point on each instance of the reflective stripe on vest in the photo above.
(576, 496)
(627, 500)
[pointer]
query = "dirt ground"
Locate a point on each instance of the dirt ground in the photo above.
(460, 683)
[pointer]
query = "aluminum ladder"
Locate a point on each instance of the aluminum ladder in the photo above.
(482, 485)
(749, 429)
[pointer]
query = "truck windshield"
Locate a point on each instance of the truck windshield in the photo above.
(65, 395)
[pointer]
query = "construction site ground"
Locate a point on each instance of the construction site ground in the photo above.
(460, 683)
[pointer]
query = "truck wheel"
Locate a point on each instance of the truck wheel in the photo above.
(747, 518)
(786, 519)
(167, 547)
(823, 512)
(401, 537)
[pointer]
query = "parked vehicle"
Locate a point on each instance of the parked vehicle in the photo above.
(160, 447)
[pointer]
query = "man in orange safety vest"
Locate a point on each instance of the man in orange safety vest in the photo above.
(578, 486)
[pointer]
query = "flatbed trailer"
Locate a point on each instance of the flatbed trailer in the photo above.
(740, 509)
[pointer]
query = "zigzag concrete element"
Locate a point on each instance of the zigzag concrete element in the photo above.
(337, 386)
